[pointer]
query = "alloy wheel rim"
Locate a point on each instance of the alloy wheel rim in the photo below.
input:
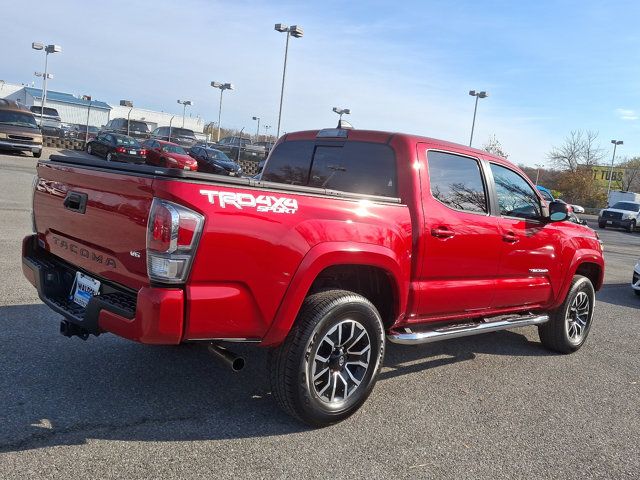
(341, 361)
(577, 318)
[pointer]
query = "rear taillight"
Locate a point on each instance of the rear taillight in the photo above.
(173, 232)
(121, 149)
(143, 152)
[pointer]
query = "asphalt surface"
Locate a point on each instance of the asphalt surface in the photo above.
(491, 406)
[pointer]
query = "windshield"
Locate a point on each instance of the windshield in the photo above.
(131, 142)
(218, 155)
(628, 206)
(182, 132)
(174, 149)
(18, 119)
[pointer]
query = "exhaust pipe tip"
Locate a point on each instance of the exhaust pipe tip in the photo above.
(234, 361)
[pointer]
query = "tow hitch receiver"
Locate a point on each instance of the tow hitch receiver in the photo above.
(69, 329)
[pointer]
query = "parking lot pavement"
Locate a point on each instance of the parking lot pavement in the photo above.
(491, 406)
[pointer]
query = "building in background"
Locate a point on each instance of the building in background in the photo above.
(73, 109)
(157, 119)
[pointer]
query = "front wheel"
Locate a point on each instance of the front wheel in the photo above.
(37, 154)
(602, 225)
(328, 364)
(569, 325)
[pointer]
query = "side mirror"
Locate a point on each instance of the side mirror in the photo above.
(558, 211)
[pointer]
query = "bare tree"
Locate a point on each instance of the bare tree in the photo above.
(579, 148)
(631, 178)
(494, 147)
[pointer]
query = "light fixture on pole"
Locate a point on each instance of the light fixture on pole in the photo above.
(257, 128)
(341, 111)
(184, 104)
(127, 103)
(478, 95)
(293, 31)
(222, 87)
(615, 144)
(47, 50)
(87, 98)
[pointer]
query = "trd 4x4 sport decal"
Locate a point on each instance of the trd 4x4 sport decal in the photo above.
(262, 203)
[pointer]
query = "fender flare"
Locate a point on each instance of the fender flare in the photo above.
(328, 254)
(585, 256)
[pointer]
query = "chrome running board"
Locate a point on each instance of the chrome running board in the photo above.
(457, 330)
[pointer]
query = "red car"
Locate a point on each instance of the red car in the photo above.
(169, 155)
(349, 240)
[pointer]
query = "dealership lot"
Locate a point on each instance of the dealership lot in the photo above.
(493, 406)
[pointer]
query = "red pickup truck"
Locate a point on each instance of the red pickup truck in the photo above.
(349, 239)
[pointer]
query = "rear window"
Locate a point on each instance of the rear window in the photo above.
(47, 111)
(358, 167)
(182, 132)
(127, 141)
(138, 126)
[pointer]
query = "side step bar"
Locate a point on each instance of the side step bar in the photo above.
(458, 330)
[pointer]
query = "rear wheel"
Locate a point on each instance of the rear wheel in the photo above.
(327, 367)
(109, 157)
(89, 150)
(569, 325)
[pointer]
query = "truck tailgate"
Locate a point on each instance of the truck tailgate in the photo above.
(95, 220)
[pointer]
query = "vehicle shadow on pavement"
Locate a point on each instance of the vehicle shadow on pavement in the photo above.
(618, 294)
(403, 360)
(60, 391)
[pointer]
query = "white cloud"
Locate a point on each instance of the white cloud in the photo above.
(626, 114)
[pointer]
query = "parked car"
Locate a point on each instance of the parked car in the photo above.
(115, 147)
(621, 215)
(80, 132)
(635, 280)
(136, 128)
(239, 148)
(19, 131)
(266, 145)
(573, 209)
(50, 123)
(355, 239)
(181, 136)
(214, 161)
(168, 155)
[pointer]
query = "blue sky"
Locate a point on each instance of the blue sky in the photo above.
(549, 67)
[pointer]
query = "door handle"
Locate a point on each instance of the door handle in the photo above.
(442, 232)
(510, 237)
(76, 202)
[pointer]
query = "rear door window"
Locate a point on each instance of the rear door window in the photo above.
(457, 182)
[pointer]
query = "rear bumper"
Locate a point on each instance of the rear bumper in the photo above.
(151, 315)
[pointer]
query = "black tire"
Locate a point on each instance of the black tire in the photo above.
(556, 333)
(322, 322)
(37, 154)
(632, 226)
(602, 225)
(637, 292)
(109, 157)
(89, 149)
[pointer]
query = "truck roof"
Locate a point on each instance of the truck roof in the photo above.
(379, 136)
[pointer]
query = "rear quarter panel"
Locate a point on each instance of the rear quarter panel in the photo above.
(247, 258)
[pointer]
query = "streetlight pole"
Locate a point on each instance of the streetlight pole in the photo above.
(47, 49)
(478, 95)
(257, 128)
(295, 31)
(538, 167)
(170, 127)
(222, 87)
(127, 103)
(184, 104)
(615, 144)
(86, 133)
